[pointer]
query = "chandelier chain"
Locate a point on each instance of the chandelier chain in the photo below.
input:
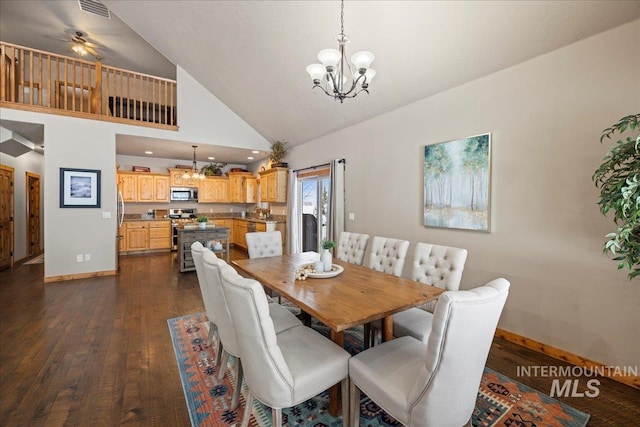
(342, 19)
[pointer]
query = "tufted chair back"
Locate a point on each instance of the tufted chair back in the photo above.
(461, 334)
(265, 367)
(197, 250)
(213, 268)
(263, 244)
(439, 266)
(387, 255)
(351, 247)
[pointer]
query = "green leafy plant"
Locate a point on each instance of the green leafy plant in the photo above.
(618, 179)
(213, 169)
(279, 151)
(328, 244)
(202, 219)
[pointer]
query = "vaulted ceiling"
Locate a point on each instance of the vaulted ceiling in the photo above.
(252, 55)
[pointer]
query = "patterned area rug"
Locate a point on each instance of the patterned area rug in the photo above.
(501, 400)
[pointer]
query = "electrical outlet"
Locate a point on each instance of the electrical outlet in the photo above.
(352, 216)
(79, 258)
(87, 257)
(210, 210)
(230, 209)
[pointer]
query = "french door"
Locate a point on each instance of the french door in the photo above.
(314, 208)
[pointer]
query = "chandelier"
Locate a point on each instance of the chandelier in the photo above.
(194, 173)
(335, 75)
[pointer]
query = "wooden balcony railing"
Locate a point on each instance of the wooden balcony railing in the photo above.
(45, 82)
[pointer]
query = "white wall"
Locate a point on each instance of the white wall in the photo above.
(546, 117)
(90, 144)
(34, 163)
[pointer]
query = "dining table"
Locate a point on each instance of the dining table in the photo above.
(354, 295)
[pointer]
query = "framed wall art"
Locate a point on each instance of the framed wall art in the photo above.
(457, 184)
(79, 188)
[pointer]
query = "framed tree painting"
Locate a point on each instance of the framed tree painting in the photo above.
(457, 183)
(79, 188)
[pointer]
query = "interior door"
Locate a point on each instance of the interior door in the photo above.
(33, 214)
(6, 217)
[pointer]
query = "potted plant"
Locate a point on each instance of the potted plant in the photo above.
(618, 179)
(213, 169)
(279, 152)
(325, 256)
(202, 221)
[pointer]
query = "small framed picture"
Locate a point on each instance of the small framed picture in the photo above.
(79, 188)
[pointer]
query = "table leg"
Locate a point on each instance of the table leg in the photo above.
(335, 407)
(387, 328)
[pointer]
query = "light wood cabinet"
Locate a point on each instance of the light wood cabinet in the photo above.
(214, 189)
(178, 181)
(273, 185)
(140, 236)
(242, 187)
(239, 233)
(137, 236)
(136, 187)
(159, 235)
(128, 186)
(225, 223)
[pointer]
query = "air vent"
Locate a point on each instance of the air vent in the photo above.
(95, 7)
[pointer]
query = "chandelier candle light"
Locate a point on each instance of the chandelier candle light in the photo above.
(194, 173)
(340, 81)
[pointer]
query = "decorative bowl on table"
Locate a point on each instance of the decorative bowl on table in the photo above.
(307, 270)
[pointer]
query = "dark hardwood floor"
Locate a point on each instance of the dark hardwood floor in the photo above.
(97, 352)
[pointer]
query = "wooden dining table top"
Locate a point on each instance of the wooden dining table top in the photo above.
(356, 296)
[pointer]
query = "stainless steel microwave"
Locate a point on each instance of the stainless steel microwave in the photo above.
(184, 194)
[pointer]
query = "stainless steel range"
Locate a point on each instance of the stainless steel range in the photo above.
(180, 216)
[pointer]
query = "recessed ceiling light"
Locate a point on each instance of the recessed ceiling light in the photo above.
(255, 151)
(249, 158)
(211, 158)
(148, 152)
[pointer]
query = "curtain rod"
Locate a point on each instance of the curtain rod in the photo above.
(319, 166)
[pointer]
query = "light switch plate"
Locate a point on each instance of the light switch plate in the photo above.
(106, 215)
(352, 216)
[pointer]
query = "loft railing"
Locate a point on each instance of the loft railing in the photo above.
(46, 82)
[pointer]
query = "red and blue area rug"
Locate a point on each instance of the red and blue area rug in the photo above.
(501, 400)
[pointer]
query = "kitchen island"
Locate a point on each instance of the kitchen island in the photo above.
(188, 234)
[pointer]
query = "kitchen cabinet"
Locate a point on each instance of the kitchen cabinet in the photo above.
(239, 233)
(128, 186)
(214, 189)
(140, 236)
(137, 187)
(176, 179)
(137, 236)
(273, 185)
(153, 188)
(225, 223)
(242, 187)
(159, 235)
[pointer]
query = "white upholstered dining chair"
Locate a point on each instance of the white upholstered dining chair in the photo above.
(434, 383)
(196, 253)
(351, 247)
(387, 255)
(263, 244)
(286, 369)
(283, 320)
(434, 265)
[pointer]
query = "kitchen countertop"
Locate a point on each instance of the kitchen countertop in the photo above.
(143, 217)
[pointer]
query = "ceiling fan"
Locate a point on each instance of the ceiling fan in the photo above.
(80, 43)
